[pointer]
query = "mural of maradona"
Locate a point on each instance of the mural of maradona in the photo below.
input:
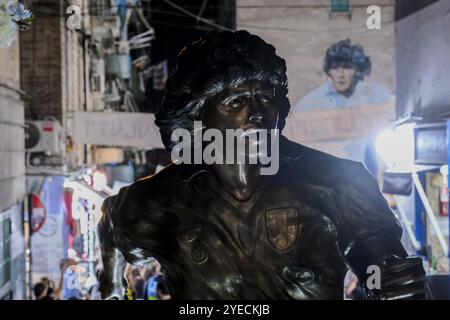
(346, 66)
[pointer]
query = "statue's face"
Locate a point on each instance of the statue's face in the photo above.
(251, 105)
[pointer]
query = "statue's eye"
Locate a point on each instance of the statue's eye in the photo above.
(265, 97)
(235, 102)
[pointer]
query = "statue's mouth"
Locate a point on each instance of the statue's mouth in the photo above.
(256, 141)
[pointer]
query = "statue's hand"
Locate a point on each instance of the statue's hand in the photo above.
(401, 278)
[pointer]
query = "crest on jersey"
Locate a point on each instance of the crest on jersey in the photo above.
(282, 227)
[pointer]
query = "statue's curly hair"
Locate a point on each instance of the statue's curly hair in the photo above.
(344, 52)
(213, 64)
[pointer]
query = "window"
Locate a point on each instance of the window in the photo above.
(100, 8)
(5, 251)
(340, 6)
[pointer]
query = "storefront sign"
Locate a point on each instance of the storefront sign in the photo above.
(430, 144)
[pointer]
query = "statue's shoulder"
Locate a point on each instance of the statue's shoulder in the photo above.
(144, 195)
(321, 167)
(165, 178)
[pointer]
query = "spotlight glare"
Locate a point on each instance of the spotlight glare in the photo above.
(396, 148)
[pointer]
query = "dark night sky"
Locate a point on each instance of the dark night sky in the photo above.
(404, 8)
(175, 29)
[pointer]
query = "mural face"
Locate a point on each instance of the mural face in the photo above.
(342, 79)
(347, 67)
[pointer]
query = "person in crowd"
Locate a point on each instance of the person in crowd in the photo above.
(134, 275)
(352, 288)
(43, 291)
(139, 289)
(156, 287)
(69, 283)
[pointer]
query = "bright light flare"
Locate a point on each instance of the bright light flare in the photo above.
(99, 181)
(396, 147)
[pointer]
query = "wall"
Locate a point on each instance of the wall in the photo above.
(41, 62)
(12, 173)
(404, 8)
(301, 35)
(12, 169)
(53, 68)
(302, 31)
(423, 75)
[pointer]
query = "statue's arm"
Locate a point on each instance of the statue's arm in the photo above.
(111, 278)
(371, 242)
(385, 270)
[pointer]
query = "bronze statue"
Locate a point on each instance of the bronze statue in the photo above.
(224, 231)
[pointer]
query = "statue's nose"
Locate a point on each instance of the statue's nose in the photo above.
(256, 115)
(256, 119)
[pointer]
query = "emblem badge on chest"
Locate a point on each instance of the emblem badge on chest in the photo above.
(282, 227)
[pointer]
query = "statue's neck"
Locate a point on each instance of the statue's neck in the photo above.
(240, 180)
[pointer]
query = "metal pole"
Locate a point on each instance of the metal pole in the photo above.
(448, 164)
(430, 212)
(419, 221)
(409, 229)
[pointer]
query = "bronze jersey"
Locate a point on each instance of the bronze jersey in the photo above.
(288, 241)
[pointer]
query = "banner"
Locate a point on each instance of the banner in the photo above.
(338, 124)
(49, 245)
(120, 129)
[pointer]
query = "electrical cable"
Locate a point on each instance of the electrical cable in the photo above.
(206, 21)
(311, 31)
(186, 26)
(181, 9)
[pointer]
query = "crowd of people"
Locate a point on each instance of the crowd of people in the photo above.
(147, 283)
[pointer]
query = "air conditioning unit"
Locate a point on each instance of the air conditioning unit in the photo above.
(44, 136)
(97, 76)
